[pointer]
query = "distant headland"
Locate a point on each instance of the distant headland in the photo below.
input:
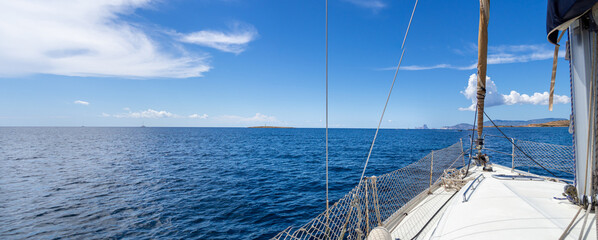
(558, 123)
(543, 122)
(269, 127)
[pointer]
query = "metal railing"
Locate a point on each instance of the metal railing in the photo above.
(473, 187)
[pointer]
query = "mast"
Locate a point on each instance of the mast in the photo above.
(583, 43)
(482, 55)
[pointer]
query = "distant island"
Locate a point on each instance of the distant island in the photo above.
(543, 122)
(558, 123)
(269, 127)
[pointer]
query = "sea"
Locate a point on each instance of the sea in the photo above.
(198, 183)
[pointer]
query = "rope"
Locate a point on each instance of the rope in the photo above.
(475, 115)
(585, 219)
(554, 63)
(433, 216)
(570, 224)
(524, 153)
(389, 93)
(327, 202)
(367, 209)
(375, 188)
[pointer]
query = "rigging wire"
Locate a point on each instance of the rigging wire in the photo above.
(513, 143)
(389, 93)
(327, 202)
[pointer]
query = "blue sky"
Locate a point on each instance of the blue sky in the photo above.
(227, 63)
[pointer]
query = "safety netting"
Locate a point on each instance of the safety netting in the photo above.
(550, 156)
(377, 198)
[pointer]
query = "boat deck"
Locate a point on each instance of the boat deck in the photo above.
(495, 209)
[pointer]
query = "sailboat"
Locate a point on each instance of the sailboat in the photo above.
(458, 193)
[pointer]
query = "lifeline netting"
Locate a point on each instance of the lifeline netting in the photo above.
(551, 156)
(370, 204)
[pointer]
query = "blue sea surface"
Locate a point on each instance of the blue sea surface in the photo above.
(197, 183)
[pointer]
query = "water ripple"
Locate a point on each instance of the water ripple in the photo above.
(191, 183)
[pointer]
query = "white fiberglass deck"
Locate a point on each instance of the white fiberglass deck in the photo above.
(497, 209)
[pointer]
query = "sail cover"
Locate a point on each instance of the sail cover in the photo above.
(561, 11)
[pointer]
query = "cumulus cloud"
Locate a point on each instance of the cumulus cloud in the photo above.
(374, 5)
(234, 41)
(81, 102)
(494, 98)
(202, 116)
(92, 38)
(502, 54)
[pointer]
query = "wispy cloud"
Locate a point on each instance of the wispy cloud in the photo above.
(92, 38)
(374, 5)
(234, 41)
(439, 66)
(494, 98)
(151, 113)
(81, 102)
(202, 116)
(257, 118)
(502, 54)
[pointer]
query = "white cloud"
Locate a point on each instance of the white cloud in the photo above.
(257, 118)
(537, 98)
(235, 41)
(438, 66)
(502, 54)
(81, 102)
(203, 116)
(87, 38)
(374, 5)
(494, 98)
(150, 113)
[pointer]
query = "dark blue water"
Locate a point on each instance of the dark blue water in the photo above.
(194, 183)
